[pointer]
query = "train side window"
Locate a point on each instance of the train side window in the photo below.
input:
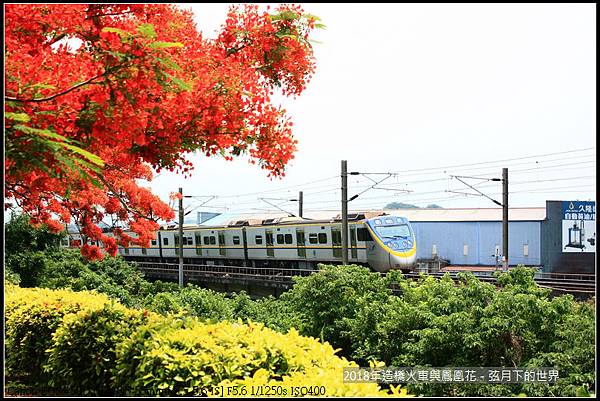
(258, 239)
(190, 241)
(64, 242)
(312, 238)
(322, 238)
(165, 241)
(236, 240)
(213, 240)
(288, 238)
(153, 242)
(206, 241)
(280, 238)
(363, 234)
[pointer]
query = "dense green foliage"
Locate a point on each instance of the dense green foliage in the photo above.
(82, 358)
(440, 323)
(22, 242)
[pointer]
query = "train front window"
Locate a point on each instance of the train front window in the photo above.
(401, 231)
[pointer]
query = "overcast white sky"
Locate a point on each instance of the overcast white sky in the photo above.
(410, 87)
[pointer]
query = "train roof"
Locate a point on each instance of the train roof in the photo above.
(330, 216)
(266, 219)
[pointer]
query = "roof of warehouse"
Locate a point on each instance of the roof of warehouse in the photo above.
(468, 214)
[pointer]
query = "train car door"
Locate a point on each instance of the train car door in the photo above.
(198, 243)
(221, 243)
(160, 252)
(336, 242)
(353, 250)
(301, 242)
(269, 241)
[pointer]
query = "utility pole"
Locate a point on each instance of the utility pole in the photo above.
(505, 218)
(300, 200)
(504, 206)
(180, 237)
(344, 212)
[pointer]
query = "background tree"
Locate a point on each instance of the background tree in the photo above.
(98, 95)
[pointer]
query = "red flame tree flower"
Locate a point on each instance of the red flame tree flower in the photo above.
(99, 95)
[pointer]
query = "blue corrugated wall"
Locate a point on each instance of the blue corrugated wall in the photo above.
(481, 239)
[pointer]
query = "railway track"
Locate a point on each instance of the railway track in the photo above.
(563, 282)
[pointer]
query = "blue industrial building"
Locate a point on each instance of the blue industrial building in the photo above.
(536, 236)
(473, 237)
(479, 242)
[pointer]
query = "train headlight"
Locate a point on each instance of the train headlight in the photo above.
(405, 244)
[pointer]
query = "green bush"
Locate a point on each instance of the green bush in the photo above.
(206, 304)
(327, 301)
(187, 358)
(32, 316)
(21, 236)
(163, 303)
(90, 345)
(82, 358)
(443, 323)
(274, 313)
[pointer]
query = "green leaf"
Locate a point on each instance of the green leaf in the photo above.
(21, 117)
(41, 86)
(181, 84)
(123, 34)
(167, 62)
(47, 133)
(42, 132)
(88, 165)
(582, 392)
(286, 15)
(147, 30)
(285, 35)
(312, 16)
(162, 45)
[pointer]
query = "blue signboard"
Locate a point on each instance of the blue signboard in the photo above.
(579, 210)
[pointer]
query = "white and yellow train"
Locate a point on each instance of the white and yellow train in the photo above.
(380, 241)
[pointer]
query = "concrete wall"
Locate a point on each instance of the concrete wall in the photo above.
(481, 240)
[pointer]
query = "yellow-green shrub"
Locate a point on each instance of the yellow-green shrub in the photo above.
(91, 345)
(191, 358)
(82, 357)
(31, 317)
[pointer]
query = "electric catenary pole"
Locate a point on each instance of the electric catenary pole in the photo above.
(504, 206)
(505, 217)
(344, 212)
(180, 237)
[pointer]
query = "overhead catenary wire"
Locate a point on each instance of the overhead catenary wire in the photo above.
(412, 171)
(494, 161)
(547, 167)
